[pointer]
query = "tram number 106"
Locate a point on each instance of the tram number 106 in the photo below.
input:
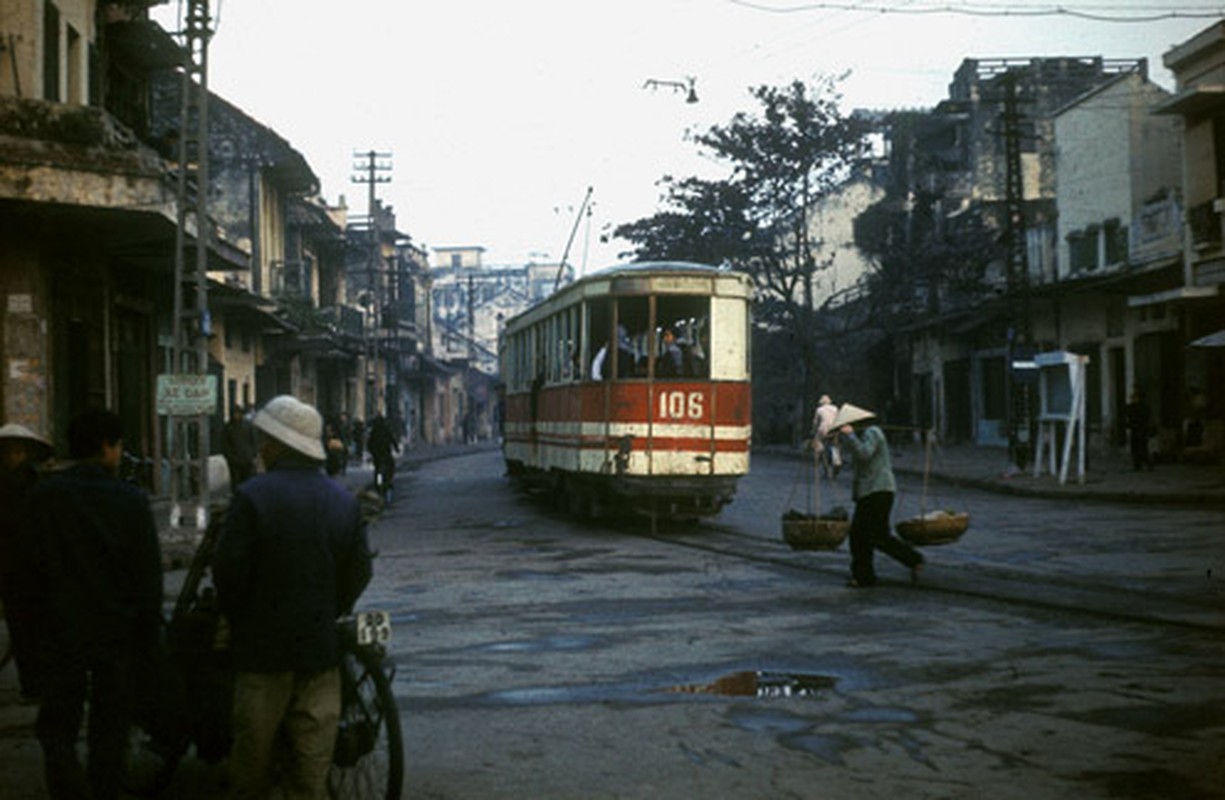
(681, 405)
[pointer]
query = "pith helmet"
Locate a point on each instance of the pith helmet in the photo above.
(849, 415)
(40, 445)
(294, 424)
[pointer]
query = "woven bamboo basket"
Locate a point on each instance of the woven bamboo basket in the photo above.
(936, 527)
(815, 533)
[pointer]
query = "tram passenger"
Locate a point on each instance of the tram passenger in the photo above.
(627, 357)
(669, 363)
(597, 363)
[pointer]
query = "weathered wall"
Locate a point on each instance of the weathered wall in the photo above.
(24, 342)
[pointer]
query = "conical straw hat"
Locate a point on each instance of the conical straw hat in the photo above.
(849, 415)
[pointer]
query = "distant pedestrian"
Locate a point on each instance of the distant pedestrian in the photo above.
(21, 452)
(292, 557)
(98, 570)
(359, 441)
(382, 444)
(873, 490)
(336, 449)
(238, 448)
(1140, 428)
(825, 437)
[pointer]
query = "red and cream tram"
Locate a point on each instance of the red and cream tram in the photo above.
(630, 388)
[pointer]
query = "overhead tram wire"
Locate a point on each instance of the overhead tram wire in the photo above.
(1093, 13)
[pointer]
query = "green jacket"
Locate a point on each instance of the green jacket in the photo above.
(873, 468)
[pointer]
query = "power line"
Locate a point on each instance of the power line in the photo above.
(1094, 13)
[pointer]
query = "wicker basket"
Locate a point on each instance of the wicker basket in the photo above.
(938, 527)
(815, 534)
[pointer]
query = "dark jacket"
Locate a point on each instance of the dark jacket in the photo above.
(382, 441)
(98, 566)
(238, 441)
(291, 559)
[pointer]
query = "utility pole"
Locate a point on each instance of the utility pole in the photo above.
(1019, 344)
(191, 325)
(371, 173)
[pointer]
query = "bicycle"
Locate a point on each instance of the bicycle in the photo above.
(190, 686)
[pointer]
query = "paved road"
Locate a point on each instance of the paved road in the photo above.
(1060, 649)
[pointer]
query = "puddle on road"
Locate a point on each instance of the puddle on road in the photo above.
(545, 644)
(762, 684)
(739, 684)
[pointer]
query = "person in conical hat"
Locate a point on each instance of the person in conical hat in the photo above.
(873, 490)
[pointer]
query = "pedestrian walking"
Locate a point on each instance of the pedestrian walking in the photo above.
(21, 452)
(336, 449)
(825, 437)
(292, 557)
(98, 606)
(1140, 428)
(382, 443)
(873, 489)
(238, 448)
(359, 441)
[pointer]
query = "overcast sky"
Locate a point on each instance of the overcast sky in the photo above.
(500, 114)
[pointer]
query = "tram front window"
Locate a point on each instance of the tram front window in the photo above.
(682, 337)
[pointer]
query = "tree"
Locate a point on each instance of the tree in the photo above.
(782, 160)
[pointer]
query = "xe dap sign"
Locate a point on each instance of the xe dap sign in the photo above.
(186, 395)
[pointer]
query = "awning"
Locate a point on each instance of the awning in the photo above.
(1211, 340)
(1196, 101)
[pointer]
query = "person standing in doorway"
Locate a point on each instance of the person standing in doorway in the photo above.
(98, 569)
(292, 557)
(873, 489)
(1140, 427)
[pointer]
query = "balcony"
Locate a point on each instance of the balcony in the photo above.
(1205, 223)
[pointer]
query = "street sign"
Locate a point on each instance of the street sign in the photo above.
(186, 395)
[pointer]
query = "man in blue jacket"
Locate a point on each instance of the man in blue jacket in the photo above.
(97, 605)
(292, 558)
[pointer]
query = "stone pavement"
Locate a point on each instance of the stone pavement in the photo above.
(1108, 478)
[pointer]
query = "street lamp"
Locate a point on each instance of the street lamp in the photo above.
(691, 96)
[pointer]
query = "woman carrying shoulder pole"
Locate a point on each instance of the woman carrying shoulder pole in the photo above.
(873, 489)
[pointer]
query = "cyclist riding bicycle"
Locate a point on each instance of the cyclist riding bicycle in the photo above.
(382, 443)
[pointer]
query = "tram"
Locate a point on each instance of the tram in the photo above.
(629, 389)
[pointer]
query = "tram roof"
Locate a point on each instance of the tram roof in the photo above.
(645, 270)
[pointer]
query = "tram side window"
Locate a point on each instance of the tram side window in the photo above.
(633, 336)
(682, 337)
(599, 323)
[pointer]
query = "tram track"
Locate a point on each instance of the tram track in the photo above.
(987, 581)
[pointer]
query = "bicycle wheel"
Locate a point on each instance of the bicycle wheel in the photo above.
(149, 762)
(368, 761)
